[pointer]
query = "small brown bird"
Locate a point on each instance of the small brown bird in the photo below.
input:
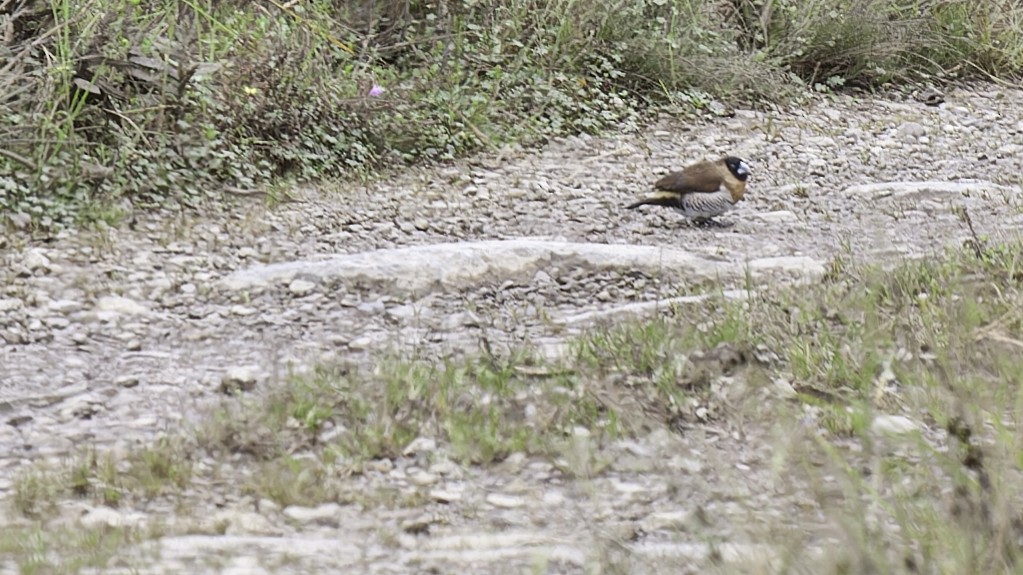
(702, 190)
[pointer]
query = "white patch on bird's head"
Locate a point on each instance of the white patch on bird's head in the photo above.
(738, 167)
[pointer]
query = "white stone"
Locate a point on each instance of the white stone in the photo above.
(505, 501)
(420, 444)
(301, 287)
(106, 517)
(893, 425)
(36, 260)
(120, 305)
(424, 268)
(327, 514)
(10, 304)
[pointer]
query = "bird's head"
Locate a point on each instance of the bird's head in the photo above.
(738, 167)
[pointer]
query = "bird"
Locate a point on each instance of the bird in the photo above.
(701, 191)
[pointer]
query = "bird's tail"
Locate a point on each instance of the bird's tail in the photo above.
(668, 199)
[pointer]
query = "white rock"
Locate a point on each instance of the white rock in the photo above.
(106, 517)
(239, 378)
(911, 131)
(667, 520)
(421, 268)
(57, 322)
(327, 514)
(245, 523)
(445, 495)
(245, 565)
(778, 216)
(10, 304)
(920, 190)
(423, 478)
(63, 306)
(243, 310)
(420, 444)
(120, 305)
(36, 260)
(505, 501)
(301, 287)
(783, 388)
(893, 425)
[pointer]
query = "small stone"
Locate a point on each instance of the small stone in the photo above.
(911, 131)
(445, 495)
(19, 420)
(126, 381)
(246, 523)
(10, 304)
(120, 305)
(57, 322)
(328, 514)
(778, 216)
(242, 310)
(105, 517)
(36, 261)
(420, 444)
(268, 506)
(783, 388)
(445, 467)
(553, 498)
(423, 478)
(505, 501)
(665, 520)
(893, 425)
(239, 379)
(20, 220)
(372, 308)
(80, 408)
(301, 287)
(360, 343)
(378, 465)
(418, 525)
(63, 306)
(188, 289)
(628, 488)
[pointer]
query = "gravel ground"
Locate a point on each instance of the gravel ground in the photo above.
(112, 338)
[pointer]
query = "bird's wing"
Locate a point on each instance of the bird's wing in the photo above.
(702, 177)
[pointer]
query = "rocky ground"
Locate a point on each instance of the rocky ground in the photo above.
(112, 338)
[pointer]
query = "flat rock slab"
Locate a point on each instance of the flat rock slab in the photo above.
(452, 266)
(929, 190)
(480, 552)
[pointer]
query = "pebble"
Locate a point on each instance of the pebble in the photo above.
(301, 287)
(35, 260)
(239, 378)
(505, 501)
(120, 305)
(893, 425)
(327, 514)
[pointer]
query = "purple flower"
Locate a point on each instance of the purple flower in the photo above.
(376, 91)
